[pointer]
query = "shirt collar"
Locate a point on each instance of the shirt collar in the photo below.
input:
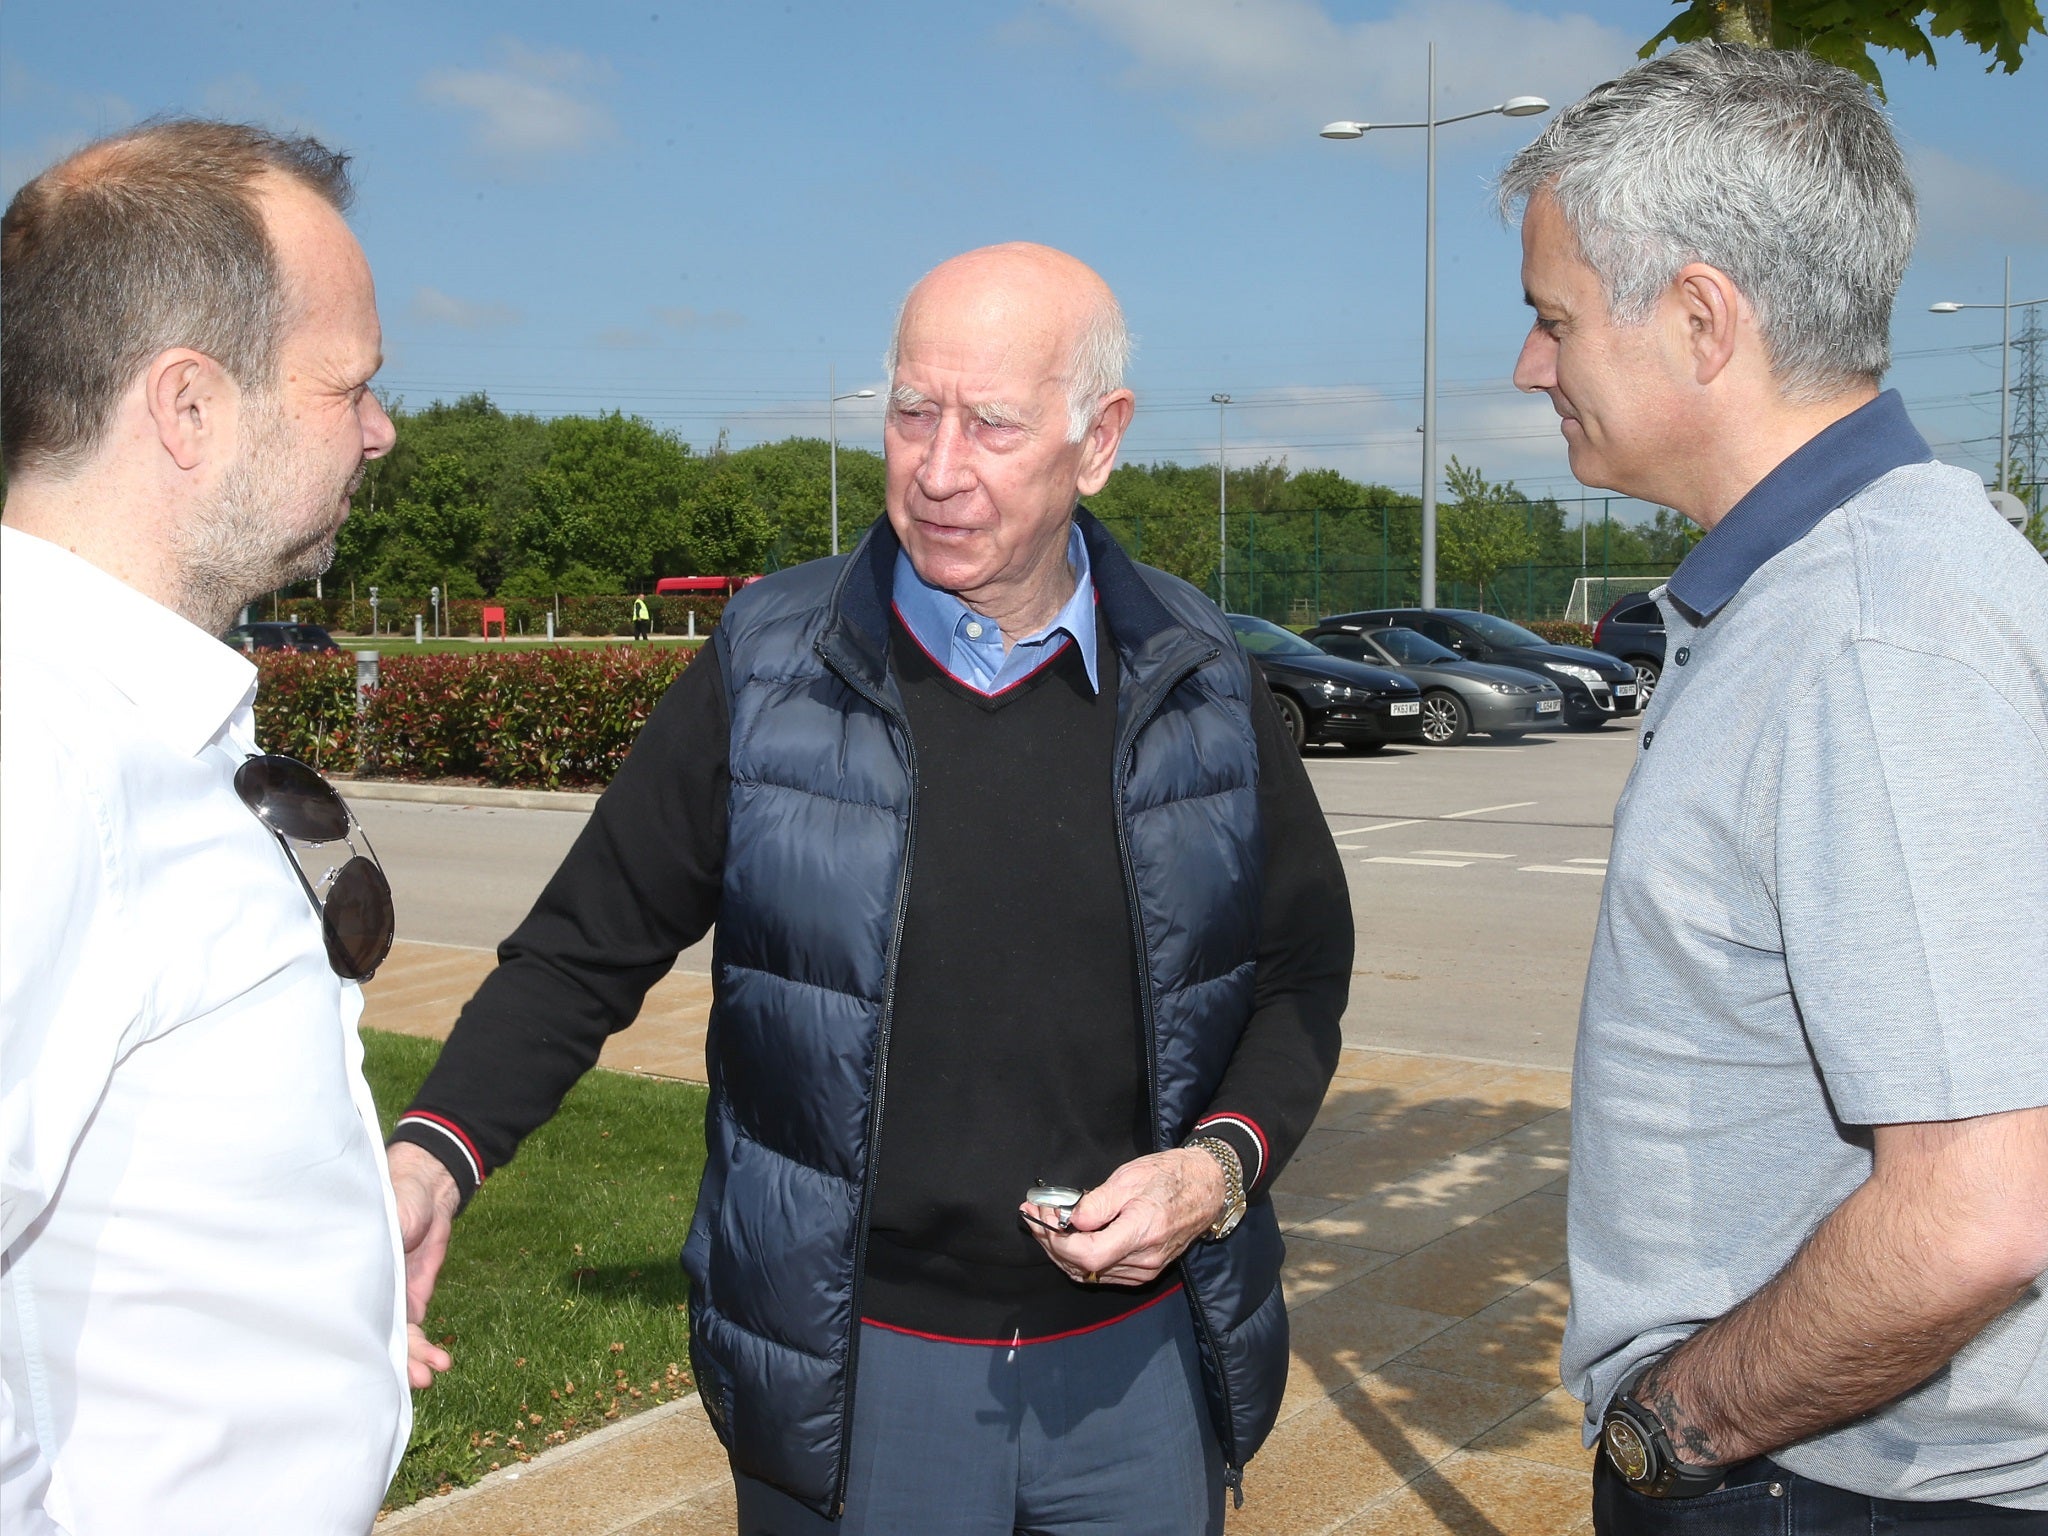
(933, 614)
(1784, 506)
(186, 683)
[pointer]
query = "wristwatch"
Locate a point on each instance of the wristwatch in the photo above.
(1638, 1446)
(1233, 1184)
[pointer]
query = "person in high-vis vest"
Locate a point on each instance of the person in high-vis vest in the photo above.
(643, 622)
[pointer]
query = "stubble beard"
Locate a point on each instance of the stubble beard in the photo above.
(257, 535)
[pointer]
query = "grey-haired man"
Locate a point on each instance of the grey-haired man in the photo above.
(1809, 1205)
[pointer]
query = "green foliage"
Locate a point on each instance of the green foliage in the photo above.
(537, 719)
(1562, 631)
(1845, 31)
(562, 1299)
(1484, 530)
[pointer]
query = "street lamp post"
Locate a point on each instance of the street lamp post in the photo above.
(1222, 503)
(832, 427)
(1514, 106)
(1946, 307)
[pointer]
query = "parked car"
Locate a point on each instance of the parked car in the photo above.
(1457, 695)
(268, 636)
(1633, 629)
(1324, 698)
(1597, 687)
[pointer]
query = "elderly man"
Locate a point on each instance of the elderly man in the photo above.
(1809, 1202)
(1017, 882)
(202, 1281)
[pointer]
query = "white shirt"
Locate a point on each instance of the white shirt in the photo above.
(202, 1322)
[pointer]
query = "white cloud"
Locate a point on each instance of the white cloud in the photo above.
(430, 306)
(682, 317)
(535, 104)
(1967, 210)
(1238, 71)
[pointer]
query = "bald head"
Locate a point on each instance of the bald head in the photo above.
(1053, 311)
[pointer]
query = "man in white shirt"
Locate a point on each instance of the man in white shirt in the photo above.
(201, 1289)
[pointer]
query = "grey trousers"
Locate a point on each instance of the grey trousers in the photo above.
(1104, 1431)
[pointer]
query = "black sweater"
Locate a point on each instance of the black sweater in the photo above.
(1016, 1053)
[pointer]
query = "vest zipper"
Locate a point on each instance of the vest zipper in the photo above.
(1141, 716)
(874, 1129)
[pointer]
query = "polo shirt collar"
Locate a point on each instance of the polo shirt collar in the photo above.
(933, 614)
(1786, 505)
(186, 683)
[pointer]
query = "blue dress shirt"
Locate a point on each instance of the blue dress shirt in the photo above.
(970, 647)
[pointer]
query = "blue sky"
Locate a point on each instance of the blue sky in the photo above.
(694, 212)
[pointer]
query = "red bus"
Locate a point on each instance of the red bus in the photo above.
(710, 586)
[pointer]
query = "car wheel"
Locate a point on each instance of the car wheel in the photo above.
(1364, 748)
(1445, 719)
(1647, 673)
(1295, 721)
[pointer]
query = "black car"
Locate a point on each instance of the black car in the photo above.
(1633, 629)
(1458, 696)
(1597, 687)
(1323, 698)
(268, 636)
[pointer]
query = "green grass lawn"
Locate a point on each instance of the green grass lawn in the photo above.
(401, 645)
(561, 1299)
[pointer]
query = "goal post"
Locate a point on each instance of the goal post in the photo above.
(1592, 595)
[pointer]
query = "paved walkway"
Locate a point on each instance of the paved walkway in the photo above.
(1425, 1285)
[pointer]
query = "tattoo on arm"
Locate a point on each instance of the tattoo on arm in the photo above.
(1688, 1438)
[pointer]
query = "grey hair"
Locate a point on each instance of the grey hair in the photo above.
(1771, 166)
(1095, 370)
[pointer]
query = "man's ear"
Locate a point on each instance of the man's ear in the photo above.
(1713, 310)
(191, 403)
(1099, 448)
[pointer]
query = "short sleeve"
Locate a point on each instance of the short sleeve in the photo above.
(1911, 876)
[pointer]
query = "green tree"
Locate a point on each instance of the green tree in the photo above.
(727, 532)
(1844, 31)
(1484, 530)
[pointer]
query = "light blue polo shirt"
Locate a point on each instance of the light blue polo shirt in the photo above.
(1824, 911)
(970, 647)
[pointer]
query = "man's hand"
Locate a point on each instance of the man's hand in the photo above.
(427, 1198)
(1138, 1220)
(1950, 1228)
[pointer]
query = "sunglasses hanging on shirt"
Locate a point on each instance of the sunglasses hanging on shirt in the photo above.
(353, 899)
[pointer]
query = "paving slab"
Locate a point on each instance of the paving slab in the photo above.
(1425, 1286)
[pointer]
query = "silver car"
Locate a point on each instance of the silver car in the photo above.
(1458, 696)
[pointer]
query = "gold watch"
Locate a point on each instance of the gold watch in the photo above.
(1233, 1184)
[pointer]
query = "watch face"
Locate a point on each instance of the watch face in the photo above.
(1625, 1448)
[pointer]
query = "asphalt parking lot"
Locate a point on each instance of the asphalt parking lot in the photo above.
(1475, 876)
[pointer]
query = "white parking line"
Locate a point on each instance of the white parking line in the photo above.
(1560, 869)
(1432, 863)
(1515, 805)
(1601, 862)
(1382, 827)
(1460, 853)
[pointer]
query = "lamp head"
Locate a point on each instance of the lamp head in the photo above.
(1345, 130)
(1945, 307)
(1219, 399)
(1523, 106)
(863, 394)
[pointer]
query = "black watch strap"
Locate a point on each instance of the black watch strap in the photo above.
(1637, 1445)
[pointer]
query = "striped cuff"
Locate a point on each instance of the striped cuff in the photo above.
(1245, 1137)
(450, 1145)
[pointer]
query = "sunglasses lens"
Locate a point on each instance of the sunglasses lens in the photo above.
(290, 797)
(357, 920)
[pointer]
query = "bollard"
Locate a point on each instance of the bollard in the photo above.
(693, 625)
(419, 629)
(551, 626)
(366, 678)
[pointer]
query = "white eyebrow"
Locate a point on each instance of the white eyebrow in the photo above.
(996, 414)
(904, 398)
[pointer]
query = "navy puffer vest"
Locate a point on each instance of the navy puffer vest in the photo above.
(822, 829)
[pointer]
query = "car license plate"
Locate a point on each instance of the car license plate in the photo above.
(1412, 708)
(1549, 706)
(1624, 690)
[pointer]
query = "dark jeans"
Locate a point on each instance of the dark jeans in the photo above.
(642, 628)
(1099, 1432)
(1763, 1499)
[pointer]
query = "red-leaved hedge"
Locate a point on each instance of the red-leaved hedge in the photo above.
(533, 719)
(1562, 631)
